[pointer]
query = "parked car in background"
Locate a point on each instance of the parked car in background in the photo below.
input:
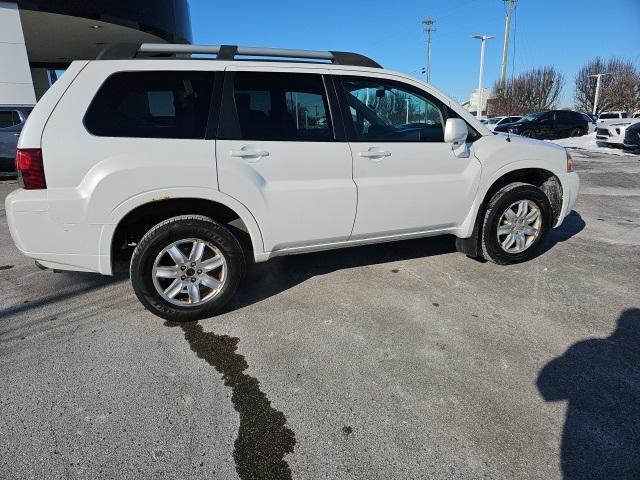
(632, 136)
(591, 122)
(636, 114)
(548, 125)
(12, 119)
(180, 170)
(609, 118)
(614, 135)
(493, 122)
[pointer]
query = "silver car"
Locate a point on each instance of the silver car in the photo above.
(12, 120)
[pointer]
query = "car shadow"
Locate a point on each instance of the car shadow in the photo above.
(571, 226)
(80, 284)
(264, 280)
(599, 378)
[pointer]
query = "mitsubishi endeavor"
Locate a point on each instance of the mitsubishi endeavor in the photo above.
(181, 168)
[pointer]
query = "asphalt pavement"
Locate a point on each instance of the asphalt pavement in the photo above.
(396, 361)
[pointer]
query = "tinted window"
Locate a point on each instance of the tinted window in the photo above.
(606, 116)
(387, 111)
(281, 106)
(566, 117)
(9, 119)
(152, 105)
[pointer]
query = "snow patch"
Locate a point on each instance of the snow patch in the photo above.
(588, 142)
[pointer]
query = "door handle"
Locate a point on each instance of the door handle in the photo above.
(374, 154)
(16, 134)
(248, 153)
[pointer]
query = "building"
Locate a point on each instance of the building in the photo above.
(472, 104)
(38, 37)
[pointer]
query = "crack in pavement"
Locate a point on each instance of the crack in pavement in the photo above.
(263, 437)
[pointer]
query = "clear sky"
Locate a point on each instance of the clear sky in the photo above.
(562, 33)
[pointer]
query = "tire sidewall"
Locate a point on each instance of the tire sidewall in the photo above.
(504, 199)
(179, 229)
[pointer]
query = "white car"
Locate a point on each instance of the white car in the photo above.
(613, 135)
(492, 123)
(181, 169)
(609, 118)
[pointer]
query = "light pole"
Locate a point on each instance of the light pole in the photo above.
(595, 101)
(482, 38)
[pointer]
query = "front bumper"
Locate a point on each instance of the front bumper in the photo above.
(570, 187)
(54, 245)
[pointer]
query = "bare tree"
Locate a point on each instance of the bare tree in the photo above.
(618, 90)
(532, 91)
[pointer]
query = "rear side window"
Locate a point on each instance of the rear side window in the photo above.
(9, 119)
(280, 107)
(152, 105)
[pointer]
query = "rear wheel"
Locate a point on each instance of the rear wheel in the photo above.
(516, 221)
(577, 132)
(187, 268)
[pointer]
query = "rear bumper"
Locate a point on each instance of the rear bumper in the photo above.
(52, 244)
(570, 187)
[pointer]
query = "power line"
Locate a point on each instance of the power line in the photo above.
(429, 29)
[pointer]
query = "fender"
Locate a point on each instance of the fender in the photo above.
(489, 178)
(122, 209)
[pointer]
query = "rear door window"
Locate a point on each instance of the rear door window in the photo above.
(173, 104)
(9, 118)
(278, 107)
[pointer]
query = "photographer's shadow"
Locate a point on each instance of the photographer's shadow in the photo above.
(600, 381)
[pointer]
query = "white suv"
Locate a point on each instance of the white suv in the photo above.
(182, 169)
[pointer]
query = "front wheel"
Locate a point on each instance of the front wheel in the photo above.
(577, 132)
(516, 221)
(187, 268)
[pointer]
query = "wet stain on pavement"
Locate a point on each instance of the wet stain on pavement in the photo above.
(435, 304)
(263, 437)
(346, 431)
(6, 267)
(395, 270)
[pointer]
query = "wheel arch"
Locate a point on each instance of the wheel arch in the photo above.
(138, 218)
(542, 178)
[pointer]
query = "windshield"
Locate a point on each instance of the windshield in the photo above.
(531, 117)
(606, 116)
(491, 121)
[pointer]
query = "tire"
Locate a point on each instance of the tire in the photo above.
(222, 258)
(528, 133)
(577, 132)
(509, 197)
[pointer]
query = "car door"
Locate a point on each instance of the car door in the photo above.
(10, 125)
(409, 180)
(282, 154)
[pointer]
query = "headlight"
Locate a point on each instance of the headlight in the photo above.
(570, 166)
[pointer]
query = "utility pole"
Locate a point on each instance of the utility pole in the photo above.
(483, 39)
(510, 5)
(428, 28)
(595, 101)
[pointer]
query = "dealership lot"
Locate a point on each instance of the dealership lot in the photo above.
(404, 360)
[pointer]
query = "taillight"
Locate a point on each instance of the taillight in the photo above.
(30, 168)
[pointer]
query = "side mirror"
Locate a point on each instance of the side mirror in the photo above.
(456, 131)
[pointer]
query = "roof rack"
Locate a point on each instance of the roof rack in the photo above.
(122, 51)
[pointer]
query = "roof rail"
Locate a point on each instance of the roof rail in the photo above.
(122, 51)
